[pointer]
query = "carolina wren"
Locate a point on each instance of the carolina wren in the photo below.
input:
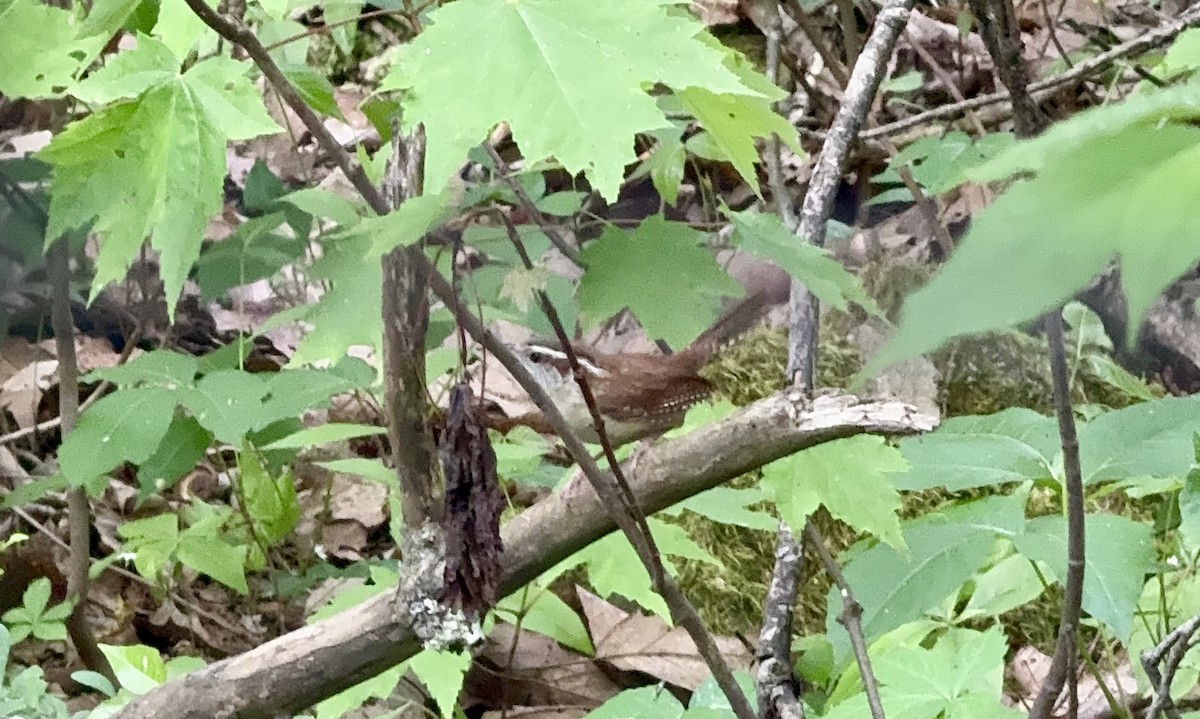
(637, 394)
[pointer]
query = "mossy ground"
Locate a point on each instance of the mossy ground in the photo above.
(980, 375)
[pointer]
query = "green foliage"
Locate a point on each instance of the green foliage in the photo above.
(937, 163)
(896, 587)
(962, 675)
(35, 617)
(269, 500)
(442, 674)
(140, 668)
(168, 142)
(545, 613)
(582, 67)
(145, 423)
(765, 235)
(41, 50)
(734, 121)
(655, 702)
(157, 543)
(378, 687)
(644, 702)
(1114, 182)
(24, 692)
(848, 477)
(1151, 439)
(1120, 552)
(647, 270)
(614, 568)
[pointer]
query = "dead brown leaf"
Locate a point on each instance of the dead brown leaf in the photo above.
(541, 673)
(644, 643)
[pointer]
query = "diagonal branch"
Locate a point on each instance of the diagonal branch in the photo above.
(310, 664)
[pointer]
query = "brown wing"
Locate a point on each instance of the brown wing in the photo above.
(641, 390)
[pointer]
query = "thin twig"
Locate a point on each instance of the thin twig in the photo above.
(527, 203)
(1172, 648)
(79, 512)
(776, 683)
(1042, 88)
(804, 20)
(850, 618)
(638, 532)
(1065, 648)
(235, 31)
(827, 173)
(779, 191)
(951, 87)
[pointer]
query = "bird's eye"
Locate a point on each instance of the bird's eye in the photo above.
(536, 357)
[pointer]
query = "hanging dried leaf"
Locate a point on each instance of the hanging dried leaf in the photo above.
(473, 506)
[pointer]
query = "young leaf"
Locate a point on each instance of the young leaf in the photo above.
(292, 391)
(128, 74)
(370, 469)
(734, 121)
(961, 676)
(228, 403)
(978, 451)
(164, 157)
(442, 674)
(848, 477)
(160, 368)
(255, 250)
(665, 164)
(329, 432)
(1006, 586)
(382, 686)
(153, 541)
(731, 506)
(315, 89)
(270, 500)
(323, 203)
(211, 555)
(582, 68)
(651, 270)
(138, 668)
(562, 204)
(614, 568)
(349, 312)
(38, 49)
(550, 616)
(653, 702)
(1152, 439)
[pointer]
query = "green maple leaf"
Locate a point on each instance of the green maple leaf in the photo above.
(129, 73)
(734, 121)
(661, 273)
(569, 76)
(153, 166)
(39, 50)
(849, 477)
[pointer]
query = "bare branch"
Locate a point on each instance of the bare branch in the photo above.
(305, 666)
(827, 172)
(1042, 88)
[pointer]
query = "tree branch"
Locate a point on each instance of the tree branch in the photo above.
(310, 664)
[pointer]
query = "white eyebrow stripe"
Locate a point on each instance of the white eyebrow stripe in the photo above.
(586, 364)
